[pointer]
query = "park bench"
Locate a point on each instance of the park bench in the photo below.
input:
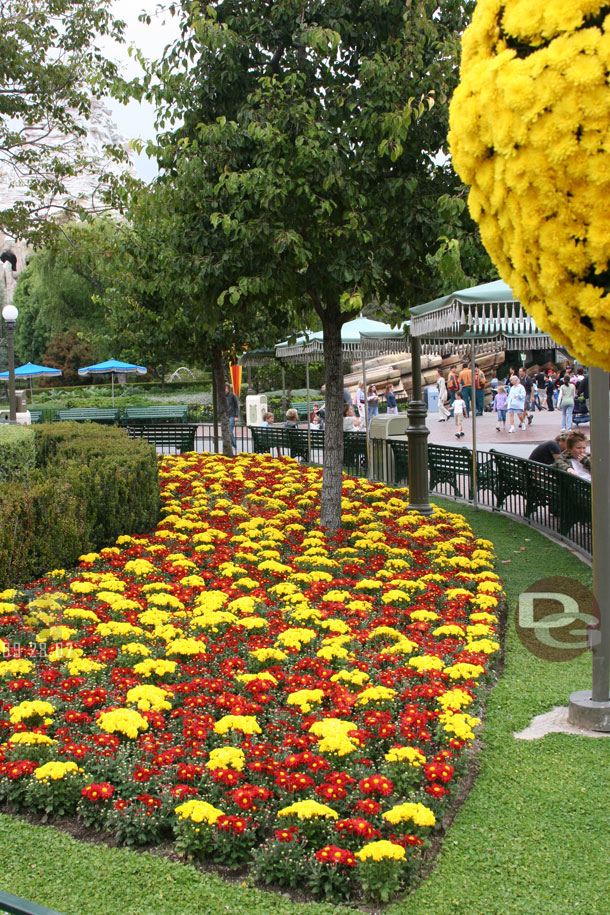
(573, 505)
(292, 442)
(301, 407)
(447, 464)
(535, 484)
(36, 416)
(107, 416)
(169, 437)
(295, 443)
(155, 414)
(267, 440)
(354, 451)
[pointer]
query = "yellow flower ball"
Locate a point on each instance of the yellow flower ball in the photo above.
(528, 132)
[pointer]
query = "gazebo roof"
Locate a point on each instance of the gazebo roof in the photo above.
(485, 314)
(309, 346)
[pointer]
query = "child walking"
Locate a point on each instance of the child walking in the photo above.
(500, 401)
(459, 408)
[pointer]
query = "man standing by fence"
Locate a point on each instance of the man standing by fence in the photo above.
(232, 410)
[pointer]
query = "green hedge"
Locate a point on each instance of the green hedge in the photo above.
(17, 452)
(92, 484)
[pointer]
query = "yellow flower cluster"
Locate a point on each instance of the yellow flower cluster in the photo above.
(403, 813)
(334, 736)
(55, 770)
(31, 738)
(378, 851)
(459, 723)
(247, 724)
(198, 812)
(307, 810)
(226, 758)
(305, 699)
(529, 125)
(30, 709)
(124, 721)
(411, 755)
(375, 694)
(149, 697)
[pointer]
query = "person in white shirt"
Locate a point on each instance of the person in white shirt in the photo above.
(442, 396)
(351, 422)
(361, 400)
(459, 408)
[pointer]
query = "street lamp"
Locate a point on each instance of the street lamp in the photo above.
(10, 315)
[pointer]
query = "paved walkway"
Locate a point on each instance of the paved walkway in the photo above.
(520, 443)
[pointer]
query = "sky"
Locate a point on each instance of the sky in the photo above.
(136, 120)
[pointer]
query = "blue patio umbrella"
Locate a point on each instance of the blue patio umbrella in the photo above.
(113, 367)
(31, 370)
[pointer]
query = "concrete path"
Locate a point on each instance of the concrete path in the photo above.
(520, 443)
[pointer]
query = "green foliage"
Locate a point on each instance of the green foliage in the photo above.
(56, 292)
(92, 485)
(17, 453)
(460, 260)
(306, 168)
(52, 68)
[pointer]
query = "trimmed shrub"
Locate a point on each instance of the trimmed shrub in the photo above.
(17, 452)
(92, 484)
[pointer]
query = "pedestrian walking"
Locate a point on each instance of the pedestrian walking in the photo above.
(442, 396)
(479, 389)
(390, 399)
(361, 400)
(499, 406)
(465, 380)
(515, 403)
(458, 413)
(566, 403)
(372, 399)
(453, 385)
(549, 387)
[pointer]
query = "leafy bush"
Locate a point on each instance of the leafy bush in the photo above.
(17, 454)
(91, 484)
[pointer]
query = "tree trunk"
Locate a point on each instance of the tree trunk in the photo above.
(219, 378)
(330, 512)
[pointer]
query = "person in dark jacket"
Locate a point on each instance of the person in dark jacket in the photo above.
(232, 410)
(549, 452)
(549, 387)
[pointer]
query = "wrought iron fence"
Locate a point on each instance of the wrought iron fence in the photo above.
(540, 495)
(543, 496)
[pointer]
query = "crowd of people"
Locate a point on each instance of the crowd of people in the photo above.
(514, 400)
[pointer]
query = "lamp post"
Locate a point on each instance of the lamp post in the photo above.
(10, 315)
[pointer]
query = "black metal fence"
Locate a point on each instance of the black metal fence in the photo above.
(547, 498)
(543, 496)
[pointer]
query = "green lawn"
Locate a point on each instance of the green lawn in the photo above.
(533, 835)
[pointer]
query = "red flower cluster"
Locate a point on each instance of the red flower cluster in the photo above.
(101, 791)
(338, 857)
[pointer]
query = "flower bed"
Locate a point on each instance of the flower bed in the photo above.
(264, 692)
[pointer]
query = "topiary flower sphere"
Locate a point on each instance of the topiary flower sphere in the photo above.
(530, 133)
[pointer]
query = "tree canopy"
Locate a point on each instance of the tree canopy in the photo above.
(51, 67)
(305, 143)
